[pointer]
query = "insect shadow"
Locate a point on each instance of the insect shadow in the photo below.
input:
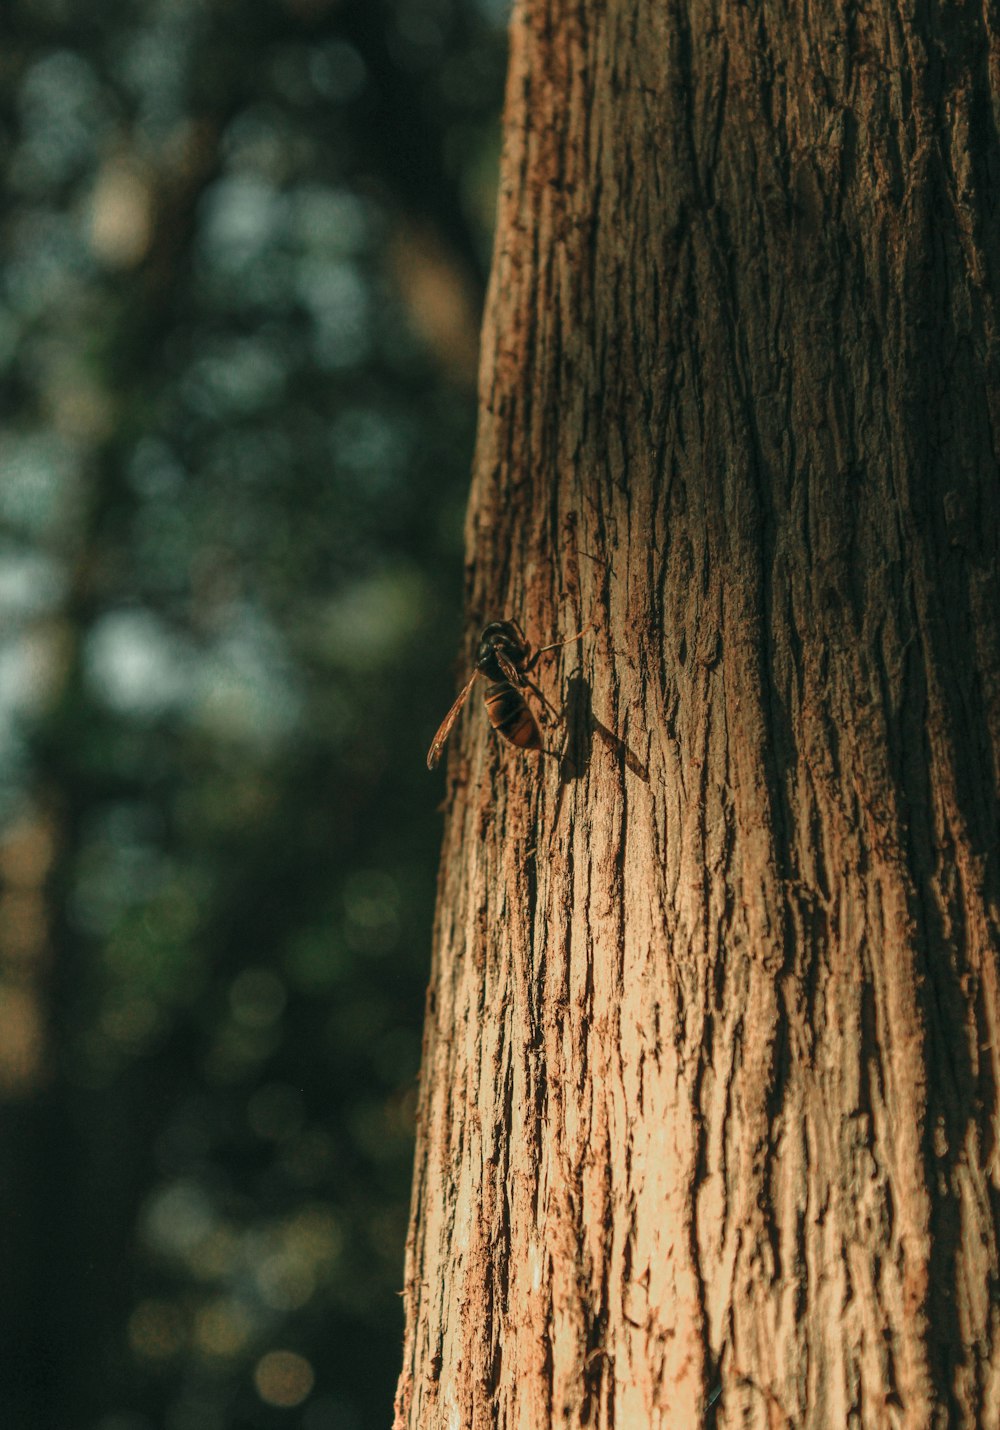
(581, 726)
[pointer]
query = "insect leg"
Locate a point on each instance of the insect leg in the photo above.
(526, 680)
(555, 646)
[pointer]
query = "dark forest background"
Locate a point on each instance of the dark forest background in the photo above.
(243, 255)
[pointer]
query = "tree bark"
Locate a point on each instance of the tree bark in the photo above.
(708, 1123)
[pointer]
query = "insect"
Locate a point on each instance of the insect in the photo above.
(504, 658)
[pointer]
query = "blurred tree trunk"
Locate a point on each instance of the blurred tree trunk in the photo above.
(708, 1123)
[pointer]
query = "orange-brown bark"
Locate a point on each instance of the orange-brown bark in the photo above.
(708, 1127)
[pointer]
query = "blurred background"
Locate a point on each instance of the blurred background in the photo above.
(244, 245)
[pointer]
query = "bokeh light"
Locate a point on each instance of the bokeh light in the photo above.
(283, 1378)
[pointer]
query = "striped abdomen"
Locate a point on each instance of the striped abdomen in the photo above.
(508, 713)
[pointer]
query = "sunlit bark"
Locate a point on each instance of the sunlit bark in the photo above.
(708, 1120)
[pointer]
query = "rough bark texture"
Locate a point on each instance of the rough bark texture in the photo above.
(708, 1128)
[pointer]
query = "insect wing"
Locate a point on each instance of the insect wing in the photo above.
(510, 670)
(437, 744)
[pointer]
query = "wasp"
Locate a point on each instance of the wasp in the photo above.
(504, 658)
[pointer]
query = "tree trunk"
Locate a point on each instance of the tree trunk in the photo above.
(708, 1125)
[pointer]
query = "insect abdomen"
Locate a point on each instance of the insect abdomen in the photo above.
(510, 717)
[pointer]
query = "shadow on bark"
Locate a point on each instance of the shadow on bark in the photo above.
(581, 726)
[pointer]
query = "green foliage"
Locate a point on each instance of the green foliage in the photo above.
(243, 247)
